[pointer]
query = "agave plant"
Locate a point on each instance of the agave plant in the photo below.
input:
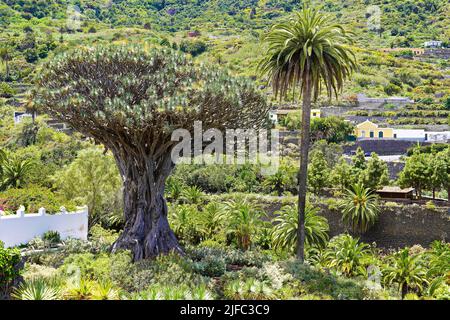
(200, 293)
(80, 290)
(360, 208)
(347, 255)
(159, 292)
(243, 221)
(192, 195)
(104, 290)
(37, 289)
(406, 271)
(251, 289)
(284, 234)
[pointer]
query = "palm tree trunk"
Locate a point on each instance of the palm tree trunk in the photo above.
(404, 290)
(303, 172)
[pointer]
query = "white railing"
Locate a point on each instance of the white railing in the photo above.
(21, 228)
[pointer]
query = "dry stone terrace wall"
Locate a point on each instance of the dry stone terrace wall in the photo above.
(383, 147)
(397, 227)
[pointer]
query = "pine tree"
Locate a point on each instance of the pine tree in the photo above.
(342, 175)
(319, 172)
(376, 174)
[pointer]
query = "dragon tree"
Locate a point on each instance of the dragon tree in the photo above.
(131, 100)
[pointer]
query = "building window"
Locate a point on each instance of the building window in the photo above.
(380, 134)
(363, 134)
(395, 136)
(372, 134)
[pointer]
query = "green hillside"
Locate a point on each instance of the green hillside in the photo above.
(228, 32)
(403, 22)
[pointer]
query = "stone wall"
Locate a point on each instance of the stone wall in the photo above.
(394, 169)
(382, 147)
(397, 227)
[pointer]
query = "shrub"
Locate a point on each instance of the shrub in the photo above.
(102, 238)
(194, 48)
(6, 91)
(360, 208)
(392, 89)
(10, 268)
(235, 257)
(211, 266)
(284, 234)
(327, 284)
(33, 198)
(430, 205)
(447, 103)
(51, 238)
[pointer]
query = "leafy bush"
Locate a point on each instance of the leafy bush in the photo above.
(234, 257)
(211, 266)
(194, 48)
(33, 198)
(325, 284)
(51, 237)
(10, 268)
(6, 91)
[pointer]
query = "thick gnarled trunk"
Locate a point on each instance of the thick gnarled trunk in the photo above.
(147, 233)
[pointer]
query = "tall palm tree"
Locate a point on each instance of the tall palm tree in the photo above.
(309, 52)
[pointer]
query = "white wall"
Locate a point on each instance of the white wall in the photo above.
(438, 136)
(413, 134)
(21, 228)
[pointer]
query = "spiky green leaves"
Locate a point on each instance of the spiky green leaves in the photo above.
(309, 45)
(284, 233)
(360, 208)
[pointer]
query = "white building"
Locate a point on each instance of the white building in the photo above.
(433, 44)
(19, 116)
